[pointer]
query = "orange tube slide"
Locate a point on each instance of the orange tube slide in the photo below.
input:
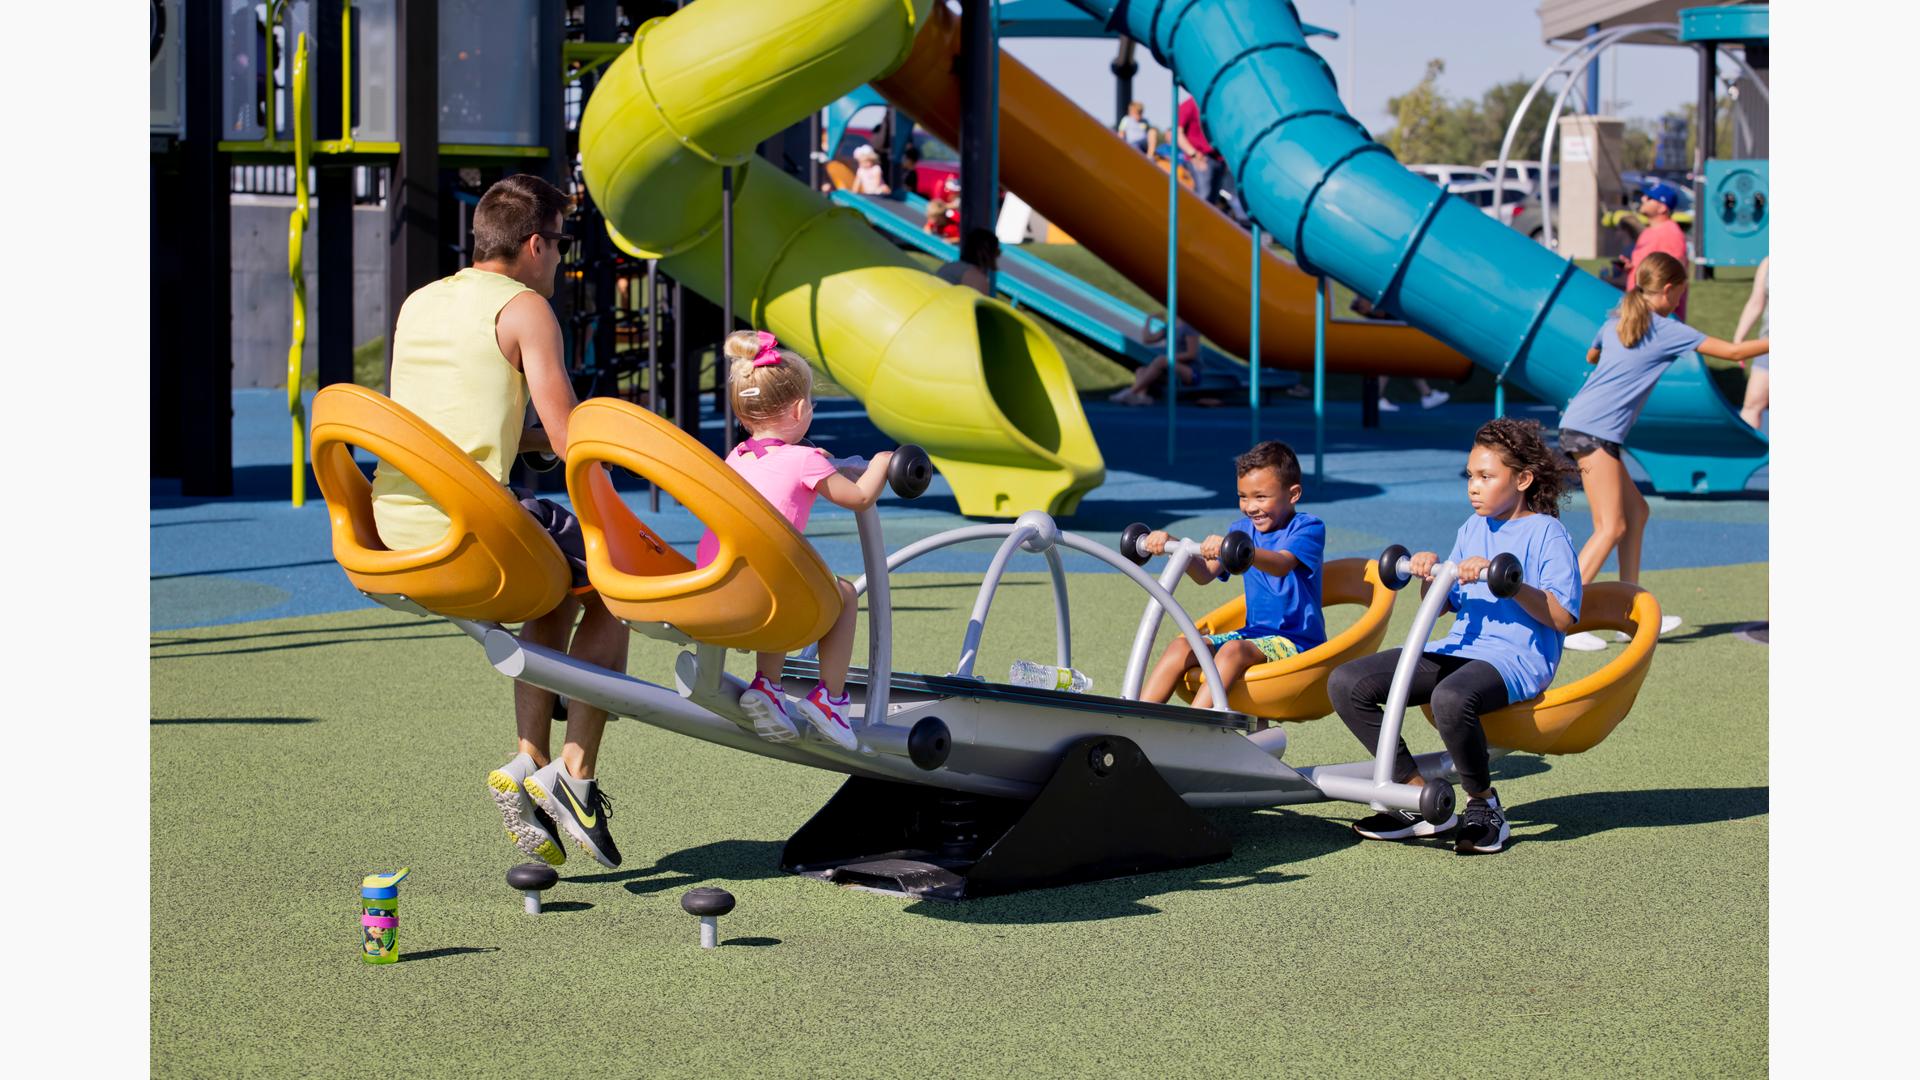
(1113, 200)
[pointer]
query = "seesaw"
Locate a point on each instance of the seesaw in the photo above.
(960, 787)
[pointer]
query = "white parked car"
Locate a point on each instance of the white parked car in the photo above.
(1449, 175)
(1524, 173)
(1480, 193)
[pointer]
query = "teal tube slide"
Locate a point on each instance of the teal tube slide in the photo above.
(1312, 176)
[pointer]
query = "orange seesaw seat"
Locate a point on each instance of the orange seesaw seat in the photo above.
(1575, 717)
(1296, 688)
(765, 590)
(495, 564)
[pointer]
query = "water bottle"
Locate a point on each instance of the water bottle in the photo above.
(1048, 677)
(380, 917)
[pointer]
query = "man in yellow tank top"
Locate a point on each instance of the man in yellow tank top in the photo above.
(469, 352)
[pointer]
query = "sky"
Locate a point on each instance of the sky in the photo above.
(1484, 42)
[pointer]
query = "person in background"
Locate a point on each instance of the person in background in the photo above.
(979, 258)
(1429, 397)
(1187, 352)
(1759, 306)
(867, 178)
(1207, 164)
(1660, 233)
(936, 222)
(1630, 351)
(1134, 128)
(910, 170)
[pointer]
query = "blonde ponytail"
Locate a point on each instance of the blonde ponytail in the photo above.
(764, 380)
(1657, 271)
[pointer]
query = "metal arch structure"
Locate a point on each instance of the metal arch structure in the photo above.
(1573, 63)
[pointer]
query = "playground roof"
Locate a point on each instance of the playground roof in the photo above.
(1567, 20)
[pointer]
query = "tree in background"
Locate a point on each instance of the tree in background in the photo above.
(1429, 127)
(1426, 127)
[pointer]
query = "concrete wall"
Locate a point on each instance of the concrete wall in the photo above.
(263, 297)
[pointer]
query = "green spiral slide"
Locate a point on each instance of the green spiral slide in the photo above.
(970, 379)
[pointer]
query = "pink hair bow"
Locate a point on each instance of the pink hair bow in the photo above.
(769, 353)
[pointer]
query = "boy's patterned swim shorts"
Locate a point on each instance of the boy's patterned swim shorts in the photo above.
(1271, 646)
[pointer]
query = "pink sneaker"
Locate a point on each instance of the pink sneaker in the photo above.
(828, 716)
(763, 701)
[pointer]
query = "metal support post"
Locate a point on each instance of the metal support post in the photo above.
(1253, 335)
(1703, 147)
(979, 114)
(1319, 383)
(334, 231)
(202, 348)
(726, 311)
(1124, 68)
(413, 192)
(1173, 271)
(653, 360)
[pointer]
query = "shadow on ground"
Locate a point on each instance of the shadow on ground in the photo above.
(1571, 817)
(158, 720)
(1263, 843)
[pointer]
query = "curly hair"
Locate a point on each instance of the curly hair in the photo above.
(1523, 448)
(1272, 454)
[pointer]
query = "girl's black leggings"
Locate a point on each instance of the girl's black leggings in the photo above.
(1459, 689)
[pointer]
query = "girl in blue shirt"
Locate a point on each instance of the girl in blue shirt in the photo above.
(1632, 350)
(1499, 651)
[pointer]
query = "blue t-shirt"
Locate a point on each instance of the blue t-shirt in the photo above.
(1288, 606)
(1610, 402)
(1524, 651)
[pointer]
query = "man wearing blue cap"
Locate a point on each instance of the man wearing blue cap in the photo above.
(1661, 233)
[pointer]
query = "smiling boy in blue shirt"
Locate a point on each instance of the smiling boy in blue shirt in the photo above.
(1283, 584)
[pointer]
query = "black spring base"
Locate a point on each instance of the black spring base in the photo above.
(1106, 812)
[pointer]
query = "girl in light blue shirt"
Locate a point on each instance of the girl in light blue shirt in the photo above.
(1500, 650)
(1635, 346)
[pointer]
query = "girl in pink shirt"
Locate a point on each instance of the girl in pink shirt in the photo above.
(772, 391)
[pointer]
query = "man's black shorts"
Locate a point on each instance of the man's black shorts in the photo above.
(565, 530)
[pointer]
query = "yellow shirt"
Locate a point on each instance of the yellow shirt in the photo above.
(449, 371)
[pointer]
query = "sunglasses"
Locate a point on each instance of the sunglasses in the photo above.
(560, 240)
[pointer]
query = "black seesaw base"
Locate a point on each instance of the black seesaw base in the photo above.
(1106, 812)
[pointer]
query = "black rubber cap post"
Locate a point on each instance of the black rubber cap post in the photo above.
(1503, 575)
(533, 876)
(929, 743)
(1390, 575)
(1436, 802)
(910, 472)
(707, 901)
(1130, 538)
(539, 460)
(1236, 552)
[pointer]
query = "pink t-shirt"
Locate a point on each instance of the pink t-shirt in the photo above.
(1192, 128)
(1663, 235)
(783, 475)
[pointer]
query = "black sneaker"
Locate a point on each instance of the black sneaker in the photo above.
(583, 819)
(1485, 830)
(1400, 825)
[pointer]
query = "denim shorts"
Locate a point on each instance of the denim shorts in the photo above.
(1576, 444)
(1271, 646)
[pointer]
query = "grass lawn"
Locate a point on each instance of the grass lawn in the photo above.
(1624, 933)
